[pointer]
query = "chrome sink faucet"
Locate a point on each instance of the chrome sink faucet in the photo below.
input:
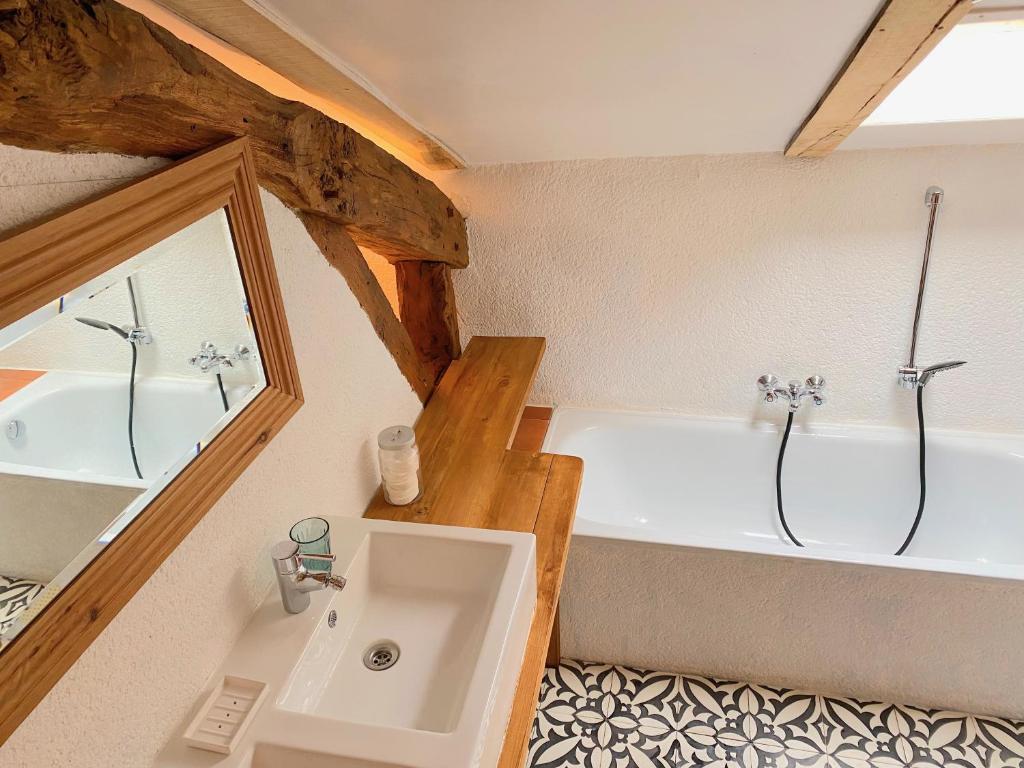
(793, 393)
(295, 581)
(912, 376)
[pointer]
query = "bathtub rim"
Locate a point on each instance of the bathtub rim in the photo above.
(590, 529)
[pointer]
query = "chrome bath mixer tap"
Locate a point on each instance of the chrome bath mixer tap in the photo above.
(793, 393)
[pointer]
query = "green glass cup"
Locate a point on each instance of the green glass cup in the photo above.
(313, 535)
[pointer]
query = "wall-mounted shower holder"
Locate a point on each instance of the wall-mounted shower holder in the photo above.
(793, 393)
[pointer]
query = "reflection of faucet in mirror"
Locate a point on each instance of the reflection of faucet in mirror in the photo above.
(209, 359)
(134, 335)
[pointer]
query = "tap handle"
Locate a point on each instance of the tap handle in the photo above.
(768, 382)
(815, 382)
(287, 558)
(328, 558)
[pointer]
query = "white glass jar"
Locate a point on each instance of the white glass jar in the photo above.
(399, 465)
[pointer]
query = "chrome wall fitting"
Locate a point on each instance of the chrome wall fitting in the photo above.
(209, 360)
(138, 335)
(793, 393)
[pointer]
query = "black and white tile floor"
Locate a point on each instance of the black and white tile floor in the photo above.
(600, 716)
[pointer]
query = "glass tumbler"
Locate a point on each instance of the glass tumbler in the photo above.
(313, 535)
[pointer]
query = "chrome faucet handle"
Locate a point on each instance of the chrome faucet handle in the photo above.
(769, 384)
(328, 558)
(815, 388)
(326, 579)
(287, 558)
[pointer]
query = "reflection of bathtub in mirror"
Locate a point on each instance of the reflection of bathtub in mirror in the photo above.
(73, 426)
(67, 479)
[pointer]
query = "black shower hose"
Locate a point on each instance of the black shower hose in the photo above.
(924, 484)
(131, 410)
(223, 394)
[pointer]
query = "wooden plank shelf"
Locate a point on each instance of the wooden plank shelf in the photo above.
(471, 478)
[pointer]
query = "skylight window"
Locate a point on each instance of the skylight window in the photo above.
(974, 74)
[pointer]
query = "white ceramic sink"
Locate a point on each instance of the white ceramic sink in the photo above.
(456, 602)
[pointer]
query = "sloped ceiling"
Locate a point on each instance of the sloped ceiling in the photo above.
(536, 80)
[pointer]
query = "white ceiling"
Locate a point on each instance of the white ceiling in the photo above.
(531, 80)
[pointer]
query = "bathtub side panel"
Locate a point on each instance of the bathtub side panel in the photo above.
(927, 638)
(47, 523)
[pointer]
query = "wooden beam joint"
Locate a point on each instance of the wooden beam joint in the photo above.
(426, 299)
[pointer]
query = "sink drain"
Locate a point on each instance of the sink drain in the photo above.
(381, 656)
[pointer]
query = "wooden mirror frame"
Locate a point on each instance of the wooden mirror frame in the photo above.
(40, 264)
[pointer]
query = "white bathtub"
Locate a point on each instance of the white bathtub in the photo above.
(679, 561)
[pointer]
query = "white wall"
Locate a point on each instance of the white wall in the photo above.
(674, 283)
(129, 692)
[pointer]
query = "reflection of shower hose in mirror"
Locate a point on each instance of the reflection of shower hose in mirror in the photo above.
(223, 394)
(920, 506)
(131, 411)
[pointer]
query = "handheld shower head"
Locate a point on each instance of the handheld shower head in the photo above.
(931, 370)
(103, 326)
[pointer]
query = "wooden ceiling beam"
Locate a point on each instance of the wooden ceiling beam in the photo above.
(94, 76)
(288, 52)
(902, 35)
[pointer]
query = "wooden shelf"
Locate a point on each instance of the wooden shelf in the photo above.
(471, 478)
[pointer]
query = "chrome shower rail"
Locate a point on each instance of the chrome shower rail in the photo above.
(933, 199)
(910, 375)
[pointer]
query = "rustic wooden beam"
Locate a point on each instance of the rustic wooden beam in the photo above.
(12, 5)
(902, 35)
(426, 299)
(272, 41)
(94, 76)
(344, 256)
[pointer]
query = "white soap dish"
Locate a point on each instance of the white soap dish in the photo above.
(225, 715)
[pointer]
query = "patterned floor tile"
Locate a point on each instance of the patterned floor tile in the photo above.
(602, 716)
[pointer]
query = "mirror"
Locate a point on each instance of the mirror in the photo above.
(106, 395)
(145, 362)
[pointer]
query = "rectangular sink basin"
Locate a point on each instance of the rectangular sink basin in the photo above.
(421, 604)
(413, 665)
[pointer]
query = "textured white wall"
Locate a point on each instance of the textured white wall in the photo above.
(674, 283)
(129, 692)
